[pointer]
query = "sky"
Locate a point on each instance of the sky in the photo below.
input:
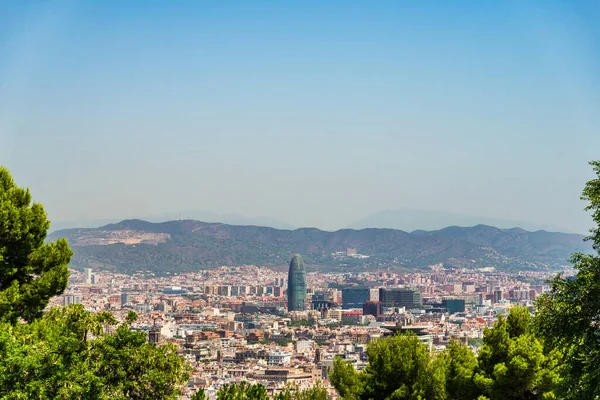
(316, 113)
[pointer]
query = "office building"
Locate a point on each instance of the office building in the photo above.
(498, 295)
(154, 335)
(296, 284)
(125, 299)
(454, 305)
(400, 297)
(71, 299)
(323, 300)
(355, 297)
(372, 308)
(225, 291)
(87, 275)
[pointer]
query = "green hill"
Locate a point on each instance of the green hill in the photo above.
(182, 246)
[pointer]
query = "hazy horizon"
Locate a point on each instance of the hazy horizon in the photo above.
(310, 114)
(405, 220)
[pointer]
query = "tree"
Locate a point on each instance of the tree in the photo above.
(293, 392)
(345, 379)
(199, 395)
(512, 362)
(242, 391)
(460, 364)
(568, 316)
(400, 367)
(31, 272)
(67, 355)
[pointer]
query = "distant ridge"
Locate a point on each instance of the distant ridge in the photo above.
(411, 220)
(188, 245)
(207, 216)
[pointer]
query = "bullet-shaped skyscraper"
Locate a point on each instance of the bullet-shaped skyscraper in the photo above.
(296, 284)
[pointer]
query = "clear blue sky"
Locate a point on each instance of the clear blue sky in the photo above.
(315, 112)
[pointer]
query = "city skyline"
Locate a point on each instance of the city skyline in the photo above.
(262, 200)
(485, 109)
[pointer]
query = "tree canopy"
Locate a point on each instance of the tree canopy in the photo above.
(512, 364)
(247, 391)
(400, 367)
(568, 316)
(31, 272)
(67, 354)
(293, 392)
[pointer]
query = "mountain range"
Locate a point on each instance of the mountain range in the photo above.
(206, 216)
(411, 220)
(402, 219)
(132, 246)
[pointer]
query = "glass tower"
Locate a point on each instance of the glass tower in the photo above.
(355, 297)
(296, 284)
(400, 297)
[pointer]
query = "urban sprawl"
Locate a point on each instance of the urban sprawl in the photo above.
(254, 324)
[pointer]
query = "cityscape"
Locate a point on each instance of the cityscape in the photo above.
(299, 200)
(257, 325)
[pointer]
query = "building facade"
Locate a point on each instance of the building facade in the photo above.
(400, 297)
(355, 297)
(296, 284)
(454, 305)
(372, 308)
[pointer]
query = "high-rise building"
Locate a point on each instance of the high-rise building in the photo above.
(154, 335)
(323, 300)
(209, 290)
(296, 284)
(125, 299)
(225, 291)
(71, 299)
(318, 355)
(498, 295)
(355, 297)
(280, 282)
(454, 305)
(372, 308)
(87, 275)
(400, 297)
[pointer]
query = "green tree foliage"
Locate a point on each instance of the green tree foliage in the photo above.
(67, 355)
(242, 391)
(293, 392)
(460, 364)
(345, 379)
(512, 363)
(199, 395)
(568, 316)
(301, 323)
(400, 367)
(245, 391)
(591, 193)
(31, 272)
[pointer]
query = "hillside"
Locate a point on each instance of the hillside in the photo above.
(179, 246)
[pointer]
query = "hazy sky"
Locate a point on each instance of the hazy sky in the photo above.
(317, 113)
